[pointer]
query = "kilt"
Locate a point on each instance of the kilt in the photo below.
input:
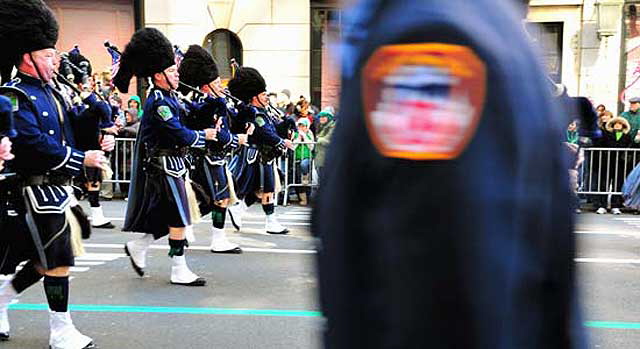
(17, 243)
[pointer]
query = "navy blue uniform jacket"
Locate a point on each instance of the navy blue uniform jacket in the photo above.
(474, 251)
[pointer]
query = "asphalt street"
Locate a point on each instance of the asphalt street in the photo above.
(267, 296)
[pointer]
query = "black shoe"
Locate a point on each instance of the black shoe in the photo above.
(236, 250)
(284, 232)
(107, 225)
(4, 336)
(136, 268)
(196, 282)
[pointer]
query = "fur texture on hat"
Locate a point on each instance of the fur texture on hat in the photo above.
(246, 84)
(625, 124)
(25, 26)
(197, 68)
(148, 52)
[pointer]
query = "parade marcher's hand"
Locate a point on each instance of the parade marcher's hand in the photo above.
(250, 128)
(108, 143)
(242, 139)
(5, 149)
(289, 144)
(210, 134)
(95, 158)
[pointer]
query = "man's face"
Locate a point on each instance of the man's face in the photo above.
(173, 76)
(634, 107)
(324, 120)
(44, 60)
(263, 98)
(617, 126)
(216, 86)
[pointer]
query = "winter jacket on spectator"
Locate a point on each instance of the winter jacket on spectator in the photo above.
(616, 138)
(325, 131)
(634, 121)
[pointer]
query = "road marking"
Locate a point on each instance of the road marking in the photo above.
(228, 223)
(608, 260)
(78, 263)
(613, 325)
(618, 233)
(246, 312)
(172, 310)
(100, 256)
(78, 269)
(206, 248)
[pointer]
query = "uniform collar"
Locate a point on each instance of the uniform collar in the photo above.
(29, 79)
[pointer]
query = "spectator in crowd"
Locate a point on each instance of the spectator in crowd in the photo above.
(303, 157)
(135, 102)
(325, 130)
(612, 165)
(302, 107)
(273, 98)
(285, 104)
(130, 129)
(572, 132)
(633, 116)
(600, 109)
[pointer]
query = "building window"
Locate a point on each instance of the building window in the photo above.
(548, 36)
(326, 21)
(224, 45)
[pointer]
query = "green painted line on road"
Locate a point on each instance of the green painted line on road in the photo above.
(251, 312)
(613, 325)
(171, 310)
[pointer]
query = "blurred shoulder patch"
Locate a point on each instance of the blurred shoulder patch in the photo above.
(423, 101)
(165, 112)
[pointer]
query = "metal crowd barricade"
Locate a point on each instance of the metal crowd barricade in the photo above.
(121, 160)
(293, 177)
(604, 170)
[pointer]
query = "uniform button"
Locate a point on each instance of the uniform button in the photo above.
(44, 113)
(33, 98)
(52, 132)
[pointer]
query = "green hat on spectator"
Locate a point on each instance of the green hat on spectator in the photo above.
(326, 114)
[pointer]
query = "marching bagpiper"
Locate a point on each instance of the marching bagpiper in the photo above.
(254, 167)
(198, 69)
(158, 204)
(37, 215)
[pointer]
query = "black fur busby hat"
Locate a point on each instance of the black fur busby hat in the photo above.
(197, 68)
(25, 26)
(148, 52)
(246, 84)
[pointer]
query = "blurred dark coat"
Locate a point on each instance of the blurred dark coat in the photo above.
(473, 252)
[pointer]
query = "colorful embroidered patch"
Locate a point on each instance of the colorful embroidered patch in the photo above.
(423, 101)
(260, 121)
(15, 104)
(165, 112)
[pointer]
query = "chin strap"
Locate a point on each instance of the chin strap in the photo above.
(37, 69)
(168, 82)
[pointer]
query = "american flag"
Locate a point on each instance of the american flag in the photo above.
(179, 55)
(115, 60)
